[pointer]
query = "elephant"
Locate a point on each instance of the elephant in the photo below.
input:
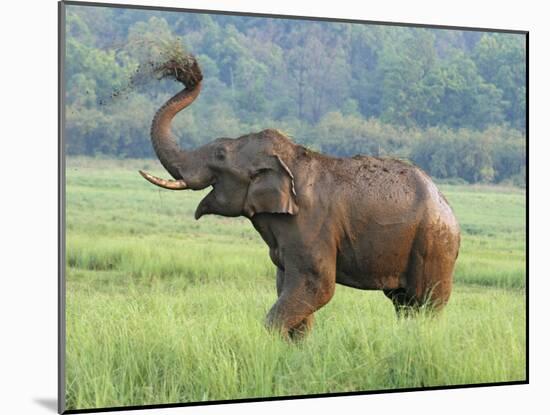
(365, 222)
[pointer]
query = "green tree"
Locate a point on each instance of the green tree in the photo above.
(500, 59)
(452, 101)
(467, 100)
(411, 80)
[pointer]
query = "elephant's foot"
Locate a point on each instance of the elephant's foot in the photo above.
(407, 305)
(300, 295)
(287, 327)
(302, 329)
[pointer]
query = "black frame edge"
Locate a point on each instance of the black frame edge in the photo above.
(61, 329)
(527, 206)
(291, 397)
(292, 17)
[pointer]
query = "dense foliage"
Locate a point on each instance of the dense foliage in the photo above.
(451, 101)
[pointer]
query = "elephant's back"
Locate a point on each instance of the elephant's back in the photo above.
(388, 190)
(381, 214)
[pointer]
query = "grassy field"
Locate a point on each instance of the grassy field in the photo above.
(162, 308)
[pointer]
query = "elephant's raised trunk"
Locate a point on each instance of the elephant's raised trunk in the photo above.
(164, 143)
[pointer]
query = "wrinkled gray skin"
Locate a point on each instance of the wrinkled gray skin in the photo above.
(363, 222)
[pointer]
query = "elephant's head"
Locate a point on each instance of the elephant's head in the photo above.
(248, 175)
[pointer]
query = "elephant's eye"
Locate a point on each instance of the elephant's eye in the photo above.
(220, 154)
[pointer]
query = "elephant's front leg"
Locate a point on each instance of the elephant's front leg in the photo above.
(306, 324)
(301, 293)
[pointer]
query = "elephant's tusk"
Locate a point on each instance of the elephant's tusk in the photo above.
(167, 184)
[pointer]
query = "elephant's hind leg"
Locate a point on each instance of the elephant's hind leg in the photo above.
(430, 273)
(405, 305)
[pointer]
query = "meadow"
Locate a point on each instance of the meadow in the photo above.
(162, 308)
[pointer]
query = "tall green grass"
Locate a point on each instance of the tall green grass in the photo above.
(162, 308)
(493, 231)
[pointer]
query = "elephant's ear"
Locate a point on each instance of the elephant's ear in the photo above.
(271, 190)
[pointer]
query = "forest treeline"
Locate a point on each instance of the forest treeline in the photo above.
(451, 101)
